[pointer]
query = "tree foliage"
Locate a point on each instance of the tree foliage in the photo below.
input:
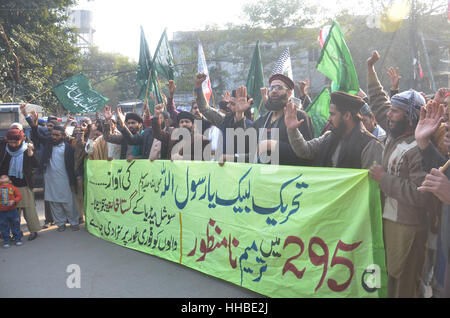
(111, 74)
(277, 16)
(36, 50)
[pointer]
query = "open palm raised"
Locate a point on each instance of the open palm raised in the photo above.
(290, 116)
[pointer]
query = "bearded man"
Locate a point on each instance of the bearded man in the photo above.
(134, 123)
(281, 88)
(17, 159)
(175, 147)
(59, 173)
(348, 145)
(399, 175)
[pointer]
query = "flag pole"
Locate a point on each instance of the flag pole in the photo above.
(148, 82)
(34, 98)
(212, 95)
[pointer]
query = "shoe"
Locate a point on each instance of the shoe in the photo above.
(61, 228)
(45, 226)
(75, 227)
(19, 243)
(32, 236)
(6, 245)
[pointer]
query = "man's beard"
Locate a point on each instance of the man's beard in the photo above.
(14, 149)
(339, 130)
(276, 103)
(56, 142)
(133, 131)
(399, 128)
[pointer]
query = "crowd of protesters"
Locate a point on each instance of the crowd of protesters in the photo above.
(402, 138)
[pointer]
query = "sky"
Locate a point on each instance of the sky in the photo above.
(117, 22)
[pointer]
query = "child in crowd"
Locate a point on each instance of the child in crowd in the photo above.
(9, 215)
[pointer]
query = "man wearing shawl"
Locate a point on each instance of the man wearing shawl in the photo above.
(17, 159)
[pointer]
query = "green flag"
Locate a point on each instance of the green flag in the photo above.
(319, 111)
(145, 78)
(163, 59)
(255, 81)
(77, 96)
(145, 61)
(336, 62)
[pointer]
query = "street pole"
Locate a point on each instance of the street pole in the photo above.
(413, 47)
(427, 59)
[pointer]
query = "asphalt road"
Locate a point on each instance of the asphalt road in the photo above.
(46, 267)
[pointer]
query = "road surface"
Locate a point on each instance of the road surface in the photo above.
(45, 267)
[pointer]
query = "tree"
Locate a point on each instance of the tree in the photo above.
(113, 75)
(37, 50)
(277, 16)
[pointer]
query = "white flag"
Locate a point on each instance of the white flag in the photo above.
(203, 68)
(284, 66)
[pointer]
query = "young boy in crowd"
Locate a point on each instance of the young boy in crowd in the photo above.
(9, 215)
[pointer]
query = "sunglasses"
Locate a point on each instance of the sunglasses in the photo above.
(277, 87)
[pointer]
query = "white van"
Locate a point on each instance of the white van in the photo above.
(10, 113)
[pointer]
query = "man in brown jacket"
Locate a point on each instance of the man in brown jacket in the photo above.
(399, 175)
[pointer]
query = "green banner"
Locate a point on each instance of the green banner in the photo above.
(255, 81)
(77, 96)
(280, 231)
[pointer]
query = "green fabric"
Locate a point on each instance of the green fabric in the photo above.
(281, 231)
(77, 96)
(336, 62)
(255, 81)
(163, 59)
(147, 76)
(319, 111)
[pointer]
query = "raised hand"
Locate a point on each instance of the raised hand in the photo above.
(34, 116)
(242, 104)
(120, 117)
(290, 116)
(172, 87)
(107, 113)
(264, 94)
(303, 86)
(158, 110)
(199, 79)
(373, 59)
(23, 109)
(394, 77)
(429, 121)
(439, 97)
(226, 96)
